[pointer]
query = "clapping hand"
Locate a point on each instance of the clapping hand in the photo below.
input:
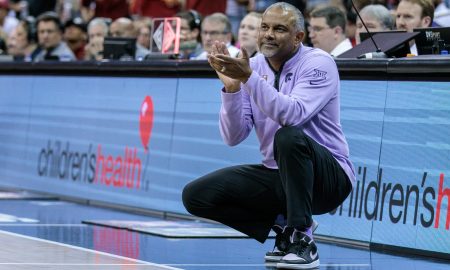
(231, 71)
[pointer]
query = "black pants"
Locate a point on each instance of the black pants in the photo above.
(248, 198)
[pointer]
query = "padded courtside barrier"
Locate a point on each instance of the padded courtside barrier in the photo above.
(88, 137)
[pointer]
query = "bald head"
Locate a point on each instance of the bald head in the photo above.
(123, 27)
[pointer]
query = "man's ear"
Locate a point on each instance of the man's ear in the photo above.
(338, 30)
(426, 21)
(299, 37)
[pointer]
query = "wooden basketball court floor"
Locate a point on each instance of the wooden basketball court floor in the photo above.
(49, 234)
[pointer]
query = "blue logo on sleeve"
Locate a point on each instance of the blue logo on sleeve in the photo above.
(319, 77)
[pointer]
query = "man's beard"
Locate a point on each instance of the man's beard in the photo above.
(268, 52)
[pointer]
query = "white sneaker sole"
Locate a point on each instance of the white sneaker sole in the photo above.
(314, 264)
(273, 258)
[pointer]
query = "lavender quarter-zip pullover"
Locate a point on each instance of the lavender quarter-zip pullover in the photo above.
(304, 93)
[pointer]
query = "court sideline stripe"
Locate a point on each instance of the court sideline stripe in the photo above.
(82, 264)
(42, 225)
(205, 265)
(87, 250)
(268, 264)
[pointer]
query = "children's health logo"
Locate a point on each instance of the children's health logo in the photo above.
(146, 121)
(95, 165)
(424, 202)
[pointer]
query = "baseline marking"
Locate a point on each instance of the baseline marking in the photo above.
(86, 250)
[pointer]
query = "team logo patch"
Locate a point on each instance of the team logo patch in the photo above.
(319, 77)
(288, 77)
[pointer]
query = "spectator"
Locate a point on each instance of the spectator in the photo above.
(248, 32)
(97, 31)
(236, 11)
(190, 45)
(216, 27)
(124, 27)
(206, 7)
(68, 9)
(75, 35)
(51, 46)
(412, 14)
(154, 8)
(143, 28)
(22, 41)
(112, 9)
(376, 17)
(260, 5)
(33, 8)
(327, 30)
(7, 23)
(167, 8)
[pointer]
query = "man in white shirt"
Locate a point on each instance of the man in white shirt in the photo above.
(327, 30)
(215, 27)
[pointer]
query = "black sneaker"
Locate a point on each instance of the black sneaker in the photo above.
(280, 247)
(282, 243)
(302, 253)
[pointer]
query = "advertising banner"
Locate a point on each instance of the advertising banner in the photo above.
(138, 141)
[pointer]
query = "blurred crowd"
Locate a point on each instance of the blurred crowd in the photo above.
(67, 30)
